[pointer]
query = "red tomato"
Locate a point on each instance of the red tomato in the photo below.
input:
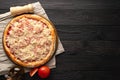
(44, 71)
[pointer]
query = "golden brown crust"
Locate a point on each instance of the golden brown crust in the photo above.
(36, 63)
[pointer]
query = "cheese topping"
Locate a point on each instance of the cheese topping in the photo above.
(29, 39)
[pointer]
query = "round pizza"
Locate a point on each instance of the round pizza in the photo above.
(29, 40)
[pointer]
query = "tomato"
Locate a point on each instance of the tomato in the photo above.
(33, 71)
(44, 71)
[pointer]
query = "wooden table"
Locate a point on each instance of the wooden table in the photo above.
(90, 33)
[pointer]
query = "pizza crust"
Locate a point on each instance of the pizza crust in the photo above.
(33, 63)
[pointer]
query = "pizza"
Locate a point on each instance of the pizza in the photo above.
(29, 40)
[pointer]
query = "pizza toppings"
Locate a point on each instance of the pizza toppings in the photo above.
(29, 39)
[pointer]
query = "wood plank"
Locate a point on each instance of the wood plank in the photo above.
(99, 75)
(66, 4)
(80, 4)
(92, 48)
(88, 32)
(84, 16)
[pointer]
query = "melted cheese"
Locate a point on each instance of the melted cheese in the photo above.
(29, 39)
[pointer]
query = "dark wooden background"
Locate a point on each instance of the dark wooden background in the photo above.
(90, 33)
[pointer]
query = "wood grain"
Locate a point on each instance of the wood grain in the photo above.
(89, 31)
